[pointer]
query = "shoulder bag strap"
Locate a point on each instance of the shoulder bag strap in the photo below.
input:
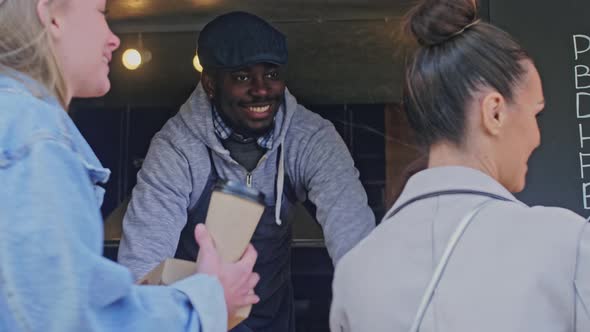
(427, 297)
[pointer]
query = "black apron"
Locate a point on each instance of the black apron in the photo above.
(275, 310)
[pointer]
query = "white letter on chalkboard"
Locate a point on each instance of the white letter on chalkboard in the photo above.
(580, 74)
(585, 195)
(582, 137)
(582, 165)
(577, 50)
(579, 105)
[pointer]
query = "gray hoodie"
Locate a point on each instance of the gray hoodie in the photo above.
(176, 168)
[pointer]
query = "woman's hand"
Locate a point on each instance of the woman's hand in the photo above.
(237, 278)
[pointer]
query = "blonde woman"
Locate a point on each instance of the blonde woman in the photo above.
(52, 274)
(458, 252)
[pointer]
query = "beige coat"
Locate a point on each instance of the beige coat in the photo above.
(516, 268)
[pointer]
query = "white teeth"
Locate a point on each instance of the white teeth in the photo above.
(260, 109)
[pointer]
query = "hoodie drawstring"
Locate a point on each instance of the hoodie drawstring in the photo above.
(280, 184)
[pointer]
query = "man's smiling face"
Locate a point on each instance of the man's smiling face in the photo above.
(248, 98)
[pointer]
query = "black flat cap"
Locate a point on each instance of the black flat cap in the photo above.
(240, 39)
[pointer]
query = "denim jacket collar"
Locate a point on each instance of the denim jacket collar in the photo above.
(17, 83)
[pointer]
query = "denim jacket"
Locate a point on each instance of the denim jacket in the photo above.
(52, 273)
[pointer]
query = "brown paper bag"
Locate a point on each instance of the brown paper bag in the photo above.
(169, 271)
(172, 270)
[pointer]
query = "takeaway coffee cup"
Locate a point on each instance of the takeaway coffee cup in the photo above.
(234, 212)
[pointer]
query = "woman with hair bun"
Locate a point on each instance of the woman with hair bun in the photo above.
(457, 251)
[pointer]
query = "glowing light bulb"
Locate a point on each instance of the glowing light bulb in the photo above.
(131, 59)
(197, 63)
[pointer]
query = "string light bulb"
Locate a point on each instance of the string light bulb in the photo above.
(133, 58)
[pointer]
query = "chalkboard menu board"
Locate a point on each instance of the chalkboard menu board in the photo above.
(557, 35)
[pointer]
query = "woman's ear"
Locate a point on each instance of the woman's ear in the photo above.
(48, 18)
(493, 113)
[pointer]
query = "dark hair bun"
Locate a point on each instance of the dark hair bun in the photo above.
(432, 22)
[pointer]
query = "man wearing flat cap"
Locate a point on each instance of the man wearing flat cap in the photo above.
(242, 124)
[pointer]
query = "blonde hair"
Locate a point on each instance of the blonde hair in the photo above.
(26, 47)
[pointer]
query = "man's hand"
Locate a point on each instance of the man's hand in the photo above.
(237, 278)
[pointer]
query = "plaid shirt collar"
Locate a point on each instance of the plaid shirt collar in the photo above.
(223, 131)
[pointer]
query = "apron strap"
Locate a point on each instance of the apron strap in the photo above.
(202, 204)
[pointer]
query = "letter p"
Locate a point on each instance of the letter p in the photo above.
(581, 45)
